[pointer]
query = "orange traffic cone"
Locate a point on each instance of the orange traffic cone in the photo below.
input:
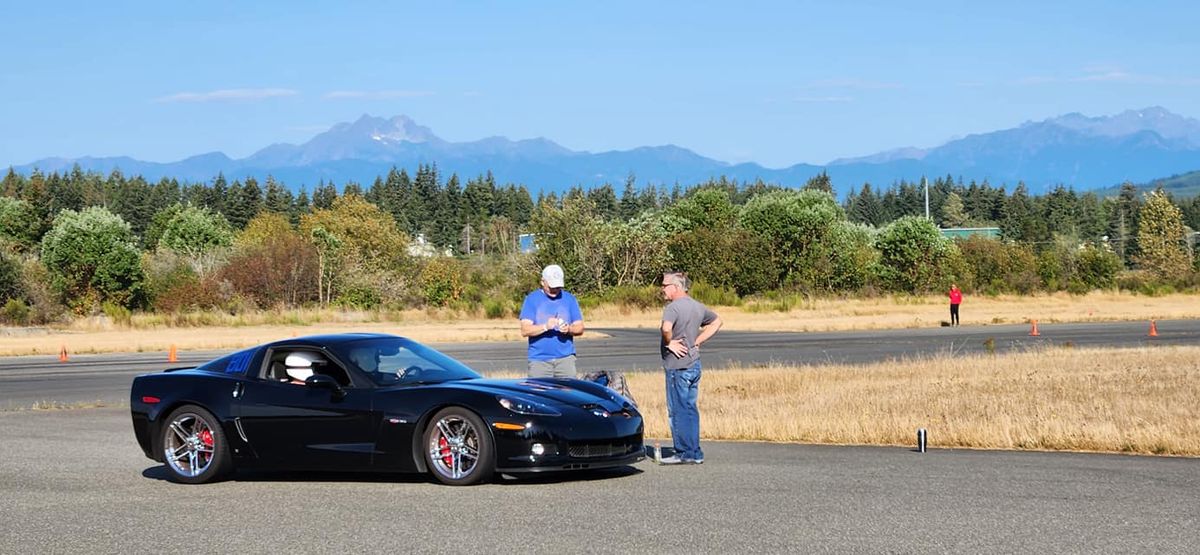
(172, 356)
(1034, 331)
(1153, 329)
(62, 354)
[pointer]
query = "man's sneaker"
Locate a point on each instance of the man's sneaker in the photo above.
(673, 459)
(695, 461)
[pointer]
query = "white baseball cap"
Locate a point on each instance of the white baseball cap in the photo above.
(553, 275)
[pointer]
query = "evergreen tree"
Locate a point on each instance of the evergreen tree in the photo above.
(1123, 222)
(163, 194)
(1021, 222)
(278, 198)
(300, 207)
(1091, 221)
(352, 188)
(448, 214)
(37, 194)
(648, 198)
(244, 202)
(13, 184)
(605, 202)
(522, 206)
(400, 189)
(377, 194)
(575, 194)
(218, 194)
(953, 214)
(865, 207)
(820, 182)
(1191, 213)
(629, 206)
(1061, 210)
(137, 206)
(324, 195)
(477, 200)
(66, 193)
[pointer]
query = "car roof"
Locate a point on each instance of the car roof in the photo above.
(325, 340)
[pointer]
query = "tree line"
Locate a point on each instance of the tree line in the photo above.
(80, 242)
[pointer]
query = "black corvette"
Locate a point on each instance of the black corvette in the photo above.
(374, 402)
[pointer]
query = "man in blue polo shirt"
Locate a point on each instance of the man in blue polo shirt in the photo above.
(551, 319)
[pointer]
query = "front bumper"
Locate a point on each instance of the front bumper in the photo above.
(549, 446)
(577, 464)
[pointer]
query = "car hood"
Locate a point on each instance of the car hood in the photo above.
(562, 391)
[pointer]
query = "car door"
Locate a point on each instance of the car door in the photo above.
(302, 426)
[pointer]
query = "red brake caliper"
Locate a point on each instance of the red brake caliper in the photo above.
(444, 451)
(206, 438)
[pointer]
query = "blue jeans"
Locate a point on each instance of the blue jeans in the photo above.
(682, 387)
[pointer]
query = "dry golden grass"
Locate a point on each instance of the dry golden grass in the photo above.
(824, 314)
(216, 331)
(1144, 400)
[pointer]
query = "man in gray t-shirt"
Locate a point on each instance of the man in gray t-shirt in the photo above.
(686, 324)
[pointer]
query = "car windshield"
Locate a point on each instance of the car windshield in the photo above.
(397, 361)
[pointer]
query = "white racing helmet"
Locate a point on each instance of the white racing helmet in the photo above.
(300, 365)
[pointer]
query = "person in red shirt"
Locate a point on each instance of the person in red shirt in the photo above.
(955, 300)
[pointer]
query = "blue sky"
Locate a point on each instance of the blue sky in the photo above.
(773, 82)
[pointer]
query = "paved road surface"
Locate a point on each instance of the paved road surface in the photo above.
(27, 380)
(76, 482)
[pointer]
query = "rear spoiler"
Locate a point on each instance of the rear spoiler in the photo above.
(179, 368)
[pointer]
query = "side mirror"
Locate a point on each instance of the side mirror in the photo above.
(321, 381)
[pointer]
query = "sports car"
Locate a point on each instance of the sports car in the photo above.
(379, 403)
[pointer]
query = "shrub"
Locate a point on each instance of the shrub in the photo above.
(192, 294)
(10, 276)
(915, 257)
(92, 257)
(641, 298)
(16, 312)
(116, 313)
(281, 271)
(360, 296)
(495, 309)
(801, 228)
(994, 266)
(1095, 268)
(733, 259)
(714, 296)
(441, 281)
(165, 270)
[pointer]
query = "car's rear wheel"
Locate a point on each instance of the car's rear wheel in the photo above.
(458, 447)
(194, 446)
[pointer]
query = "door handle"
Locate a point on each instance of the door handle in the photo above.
(238, 389)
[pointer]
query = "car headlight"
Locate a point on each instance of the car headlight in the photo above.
(526, 406)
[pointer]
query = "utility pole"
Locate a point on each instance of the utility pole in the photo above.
(925, 182)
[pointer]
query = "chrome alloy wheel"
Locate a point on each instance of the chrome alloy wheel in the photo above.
(189, 448)
(454, 447)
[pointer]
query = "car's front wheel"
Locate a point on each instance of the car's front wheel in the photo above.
(458, 447)
(194, 446)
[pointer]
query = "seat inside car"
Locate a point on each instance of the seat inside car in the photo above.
(278, 371)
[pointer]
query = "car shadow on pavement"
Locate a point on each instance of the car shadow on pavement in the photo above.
(159, 472)
(565, 477)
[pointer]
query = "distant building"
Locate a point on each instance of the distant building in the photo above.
(965, 232)
(525, 243)
(423, 248)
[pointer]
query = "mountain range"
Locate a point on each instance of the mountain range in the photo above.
(1079, 151)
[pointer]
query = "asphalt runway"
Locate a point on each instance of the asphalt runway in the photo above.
(106, 378)
(75, 481)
